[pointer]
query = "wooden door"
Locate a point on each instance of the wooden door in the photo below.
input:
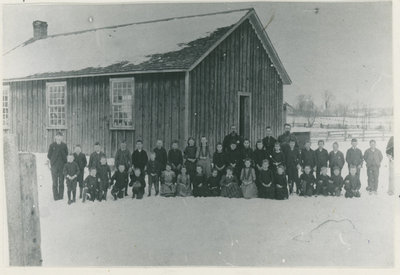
(244, 115)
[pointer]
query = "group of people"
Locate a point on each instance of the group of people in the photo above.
(234, 170)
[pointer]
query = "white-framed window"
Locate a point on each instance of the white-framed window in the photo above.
(56, 98)
(122, 94)
(6, 106)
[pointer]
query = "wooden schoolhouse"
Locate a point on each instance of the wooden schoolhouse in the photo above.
(163, 79)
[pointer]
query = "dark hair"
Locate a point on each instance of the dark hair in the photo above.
(321, 141)
(307, 141)
(175, 141)
(214, 169)
(123, 142)
(277, 143)
(139, 140)
(59, 134)
(307, 165)
(265, 160)
(97, 143)
(287, 124)
(268, 127)
(78, 145)
(93, 168)
(372, 140)
(335, 143)
(353, 140)
(191, 138)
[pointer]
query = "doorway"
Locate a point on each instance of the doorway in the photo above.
(244, 114)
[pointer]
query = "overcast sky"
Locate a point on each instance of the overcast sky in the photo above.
(345, 48)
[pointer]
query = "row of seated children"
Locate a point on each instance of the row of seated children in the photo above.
(329, 185)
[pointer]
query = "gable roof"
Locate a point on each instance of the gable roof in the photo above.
(167, 45)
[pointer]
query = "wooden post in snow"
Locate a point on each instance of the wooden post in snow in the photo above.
(22, 205)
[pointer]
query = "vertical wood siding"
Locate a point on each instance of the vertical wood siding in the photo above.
(238, 64)
(158, 113)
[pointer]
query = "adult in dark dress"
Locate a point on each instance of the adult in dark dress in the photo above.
(269, 141)
(233, 159)
(57, 155)
(189, 154)
(232, 137)
(286, 137)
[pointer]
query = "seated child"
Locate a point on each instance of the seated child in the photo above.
(248, 179)
(104, 176)
(200, 188)
(230, 185)
(90, 186)
(120, 178)
(138, 184)
(153, 172)
(323, 181)
(183, 188)
(168, 178)
(214, 189)
(352, 184)
(71, 172)
(281, 185)
(336, 183)
(266, 187)
(307, 182)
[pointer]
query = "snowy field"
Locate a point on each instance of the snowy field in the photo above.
(317, 231)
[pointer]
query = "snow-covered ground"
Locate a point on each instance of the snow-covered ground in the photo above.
(321, 231)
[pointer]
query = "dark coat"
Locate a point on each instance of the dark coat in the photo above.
(200, 191)
(104, 174)
(247, 153)
(94, 160)
(337, 181)
(292, 158)
(153, 167)
(139, 159)
(322, 184)
(307, 183)
(123, 157)
(232, 138)
(57, 155)
(134, 181)
(259, 156)
(71, 169)
(281, 192)
(269, 143)
(373, 158)
(266, 177)
(161, 157)
(233, 157)
(278, 157)
(354, 157)
(322, 158)
(219, 159)
(336, 159)
(80, 160)
(284, 140)
(352, 183)
(92, 183)
(120, 179)
(175, 157)
(308, 158)
(214, 188)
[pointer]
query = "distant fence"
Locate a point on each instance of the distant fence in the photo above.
(348, 134)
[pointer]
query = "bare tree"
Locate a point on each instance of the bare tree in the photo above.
(307, 108)
(342, 110)
(329, 97)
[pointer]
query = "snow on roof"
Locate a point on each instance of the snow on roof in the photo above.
(169, 44)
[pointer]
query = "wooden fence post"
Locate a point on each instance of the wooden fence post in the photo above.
(24, 239)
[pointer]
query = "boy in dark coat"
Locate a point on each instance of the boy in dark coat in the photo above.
(175, 158)
(265, 181)
(336, 183)
(154, 172)
(71, 173)
(307, 182)
(321, 156)
(161, 154)
(139, 157)
(352, 184)
(354, 157)
(219, 160)
(286, 137)
(57, 155)
(336, 158)
(80, 159)
(373, 158)
(104, 176)
(277, 157)
(292, 156)
(200, 188)
(323, 182)
(247, 153)
(90, 186)
(269, 141)
(232, 137)
(123, 156)
(138, 184)
(214, 188)
(280, 182)
(94, 160)
(119, 181)
(233, 159)
(308, 157)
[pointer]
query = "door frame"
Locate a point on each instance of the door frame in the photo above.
(242, 94)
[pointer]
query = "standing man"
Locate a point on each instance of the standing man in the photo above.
(373, 158)
(354, 157)
(286, 137)
(269, 141)
(232, 137)
(390, 155)
(57, 155)
(321, 157)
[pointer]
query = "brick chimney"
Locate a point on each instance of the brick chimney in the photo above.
(39, 29)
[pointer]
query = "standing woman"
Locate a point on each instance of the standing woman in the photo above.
(189, 154)
(204, 156)
(219, 160)
(259, 155)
